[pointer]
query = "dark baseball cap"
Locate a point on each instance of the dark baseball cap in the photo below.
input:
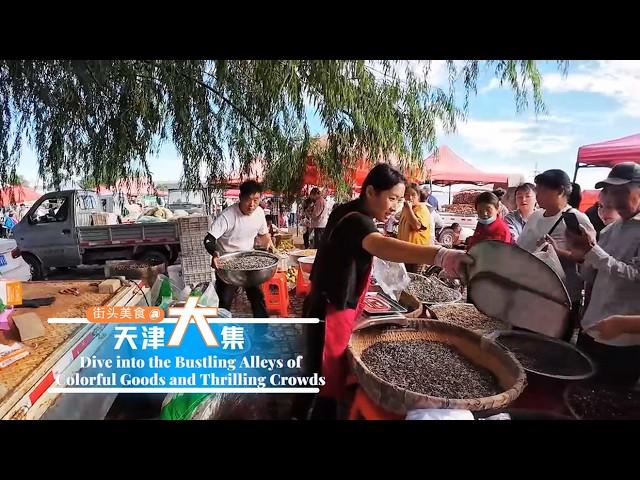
(553, 178)
(622, 174)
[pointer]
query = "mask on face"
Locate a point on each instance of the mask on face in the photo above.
(487, 221)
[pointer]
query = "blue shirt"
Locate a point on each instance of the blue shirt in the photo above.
(9, 223)
(433, 201)
(515, 222)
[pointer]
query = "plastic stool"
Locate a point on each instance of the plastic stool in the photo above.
(303, 286)
(364, 408)
(276, 296)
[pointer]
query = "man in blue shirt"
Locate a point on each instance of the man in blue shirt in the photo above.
(431, 200)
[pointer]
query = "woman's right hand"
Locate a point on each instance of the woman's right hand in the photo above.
(454, 263)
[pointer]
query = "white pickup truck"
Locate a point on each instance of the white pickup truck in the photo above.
(467, 222)
(58, 232)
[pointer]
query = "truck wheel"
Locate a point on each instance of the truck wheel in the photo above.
(37, 271)
(153, 257)
(446, 237)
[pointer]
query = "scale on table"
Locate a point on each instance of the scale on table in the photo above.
(380, 309)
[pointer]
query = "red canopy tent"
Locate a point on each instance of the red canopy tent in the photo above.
(609, 153)
(132, 188)
(447, 168)
(17, 195)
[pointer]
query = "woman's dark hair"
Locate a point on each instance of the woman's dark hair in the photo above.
(575, 197)
(249, 188)
(499, 192)
(555, 179)
(382, 177)
(413, 186)
(525, 187)
(488, 198)
(315, 191)
(455, 225)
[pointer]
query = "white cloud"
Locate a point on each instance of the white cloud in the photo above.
(438, 71)
(616, 79)
(506, 138)
(492, 85)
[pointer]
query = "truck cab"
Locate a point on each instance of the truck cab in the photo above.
(48, 232)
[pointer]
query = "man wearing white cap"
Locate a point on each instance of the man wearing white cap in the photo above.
(612, 265)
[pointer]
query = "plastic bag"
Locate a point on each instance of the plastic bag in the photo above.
(175, 275)
(392, 277)
(548, 255)
(499, 416)
(217, 406)
(177, 293)
(439, 414)
(209, 298)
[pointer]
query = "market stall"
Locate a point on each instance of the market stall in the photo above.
(516, 308)
(445, 167)
(24, 383)
(609, 153)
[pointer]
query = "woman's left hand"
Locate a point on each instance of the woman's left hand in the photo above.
(551, 241)
(610, 327)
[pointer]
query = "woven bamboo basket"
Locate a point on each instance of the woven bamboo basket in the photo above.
(481, 351)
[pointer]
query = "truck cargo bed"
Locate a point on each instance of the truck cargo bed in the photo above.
(97, 235)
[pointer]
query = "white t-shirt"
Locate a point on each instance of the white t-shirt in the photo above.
(538, 226)
(294, 207)
(235, 231)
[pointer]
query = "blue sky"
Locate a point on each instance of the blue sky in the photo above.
(596, 101)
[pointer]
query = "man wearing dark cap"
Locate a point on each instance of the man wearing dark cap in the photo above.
(612, 265)
(553, 189)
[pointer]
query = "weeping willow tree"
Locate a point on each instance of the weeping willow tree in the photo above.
(101, 120)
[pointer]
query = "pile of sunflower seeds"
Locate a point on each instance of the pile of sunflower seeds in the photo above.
(130, 266)
(431, 290)
(247, 262)
(467, 316)
(603, 402)
(430, 368)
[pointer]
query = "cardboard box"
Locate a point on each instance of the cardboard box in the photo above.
(11, 292)
(29, 325)
(109, 286)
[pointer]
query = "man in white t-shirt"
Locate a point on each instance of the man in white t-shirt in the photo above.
(319, 217)
(236, 230)
(553, 188)
(293, 211)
